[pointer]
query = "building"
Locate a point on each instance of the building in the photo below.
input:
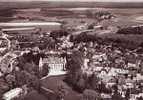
(5, 62)
(12, 94)
(56, 63)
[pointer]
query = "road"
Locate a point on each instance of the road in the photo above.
(53, 84)
(34, 95)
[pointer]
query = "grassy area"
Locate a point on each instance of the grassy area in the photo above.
(130, 41)
(34, 95)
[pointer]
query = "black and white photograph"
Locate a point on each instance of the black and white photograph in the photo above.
(71, 49)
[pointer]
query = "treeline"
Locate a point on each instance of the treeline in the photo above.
(123, 41)
(80, 81)
(7, 12)
(131, 30)
(25, 71)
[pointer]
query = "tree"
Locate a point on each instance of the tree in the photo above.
(3, 86)
(90, 95)
(21, 78)
(91, 26)
(31, 80)
(74, 63)
(127, 95)
(44, 71)
(83, 37)
(62, 91)
(81, 83)
(29, 67)
(35, 82)
(46, 42)
(10, 79)
(58, 33)
(89, 13)
(117, 96)
(7, 12)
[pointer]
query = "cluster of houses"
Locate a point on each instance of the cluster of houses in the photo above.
(131, 30)
(114, 66)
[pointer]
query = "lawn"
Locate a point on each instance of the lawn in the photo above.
(54, 82)
(34, 95)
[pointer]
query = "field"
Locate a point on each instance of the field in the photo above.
(75, 15)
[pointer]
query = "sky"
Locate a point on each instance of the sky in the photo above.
(80, 0)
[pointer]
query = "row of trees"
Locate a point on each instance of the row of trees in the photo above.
(74, 64)
(100, 15)
(83, 37)
(131, 30)
(88, 85)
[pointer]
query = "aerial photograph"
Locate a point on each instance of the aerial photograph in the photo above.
(71, 49)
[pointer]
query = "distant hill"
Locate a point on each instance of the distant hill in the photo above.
(50, 4)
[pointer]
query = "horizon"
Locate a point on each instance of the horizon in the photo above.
(134, 1)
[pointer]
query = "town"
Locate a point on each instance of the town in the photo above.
(90, 55)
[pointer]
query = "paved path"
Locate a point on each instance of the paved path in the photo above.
(53, 84)
(34, 95)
